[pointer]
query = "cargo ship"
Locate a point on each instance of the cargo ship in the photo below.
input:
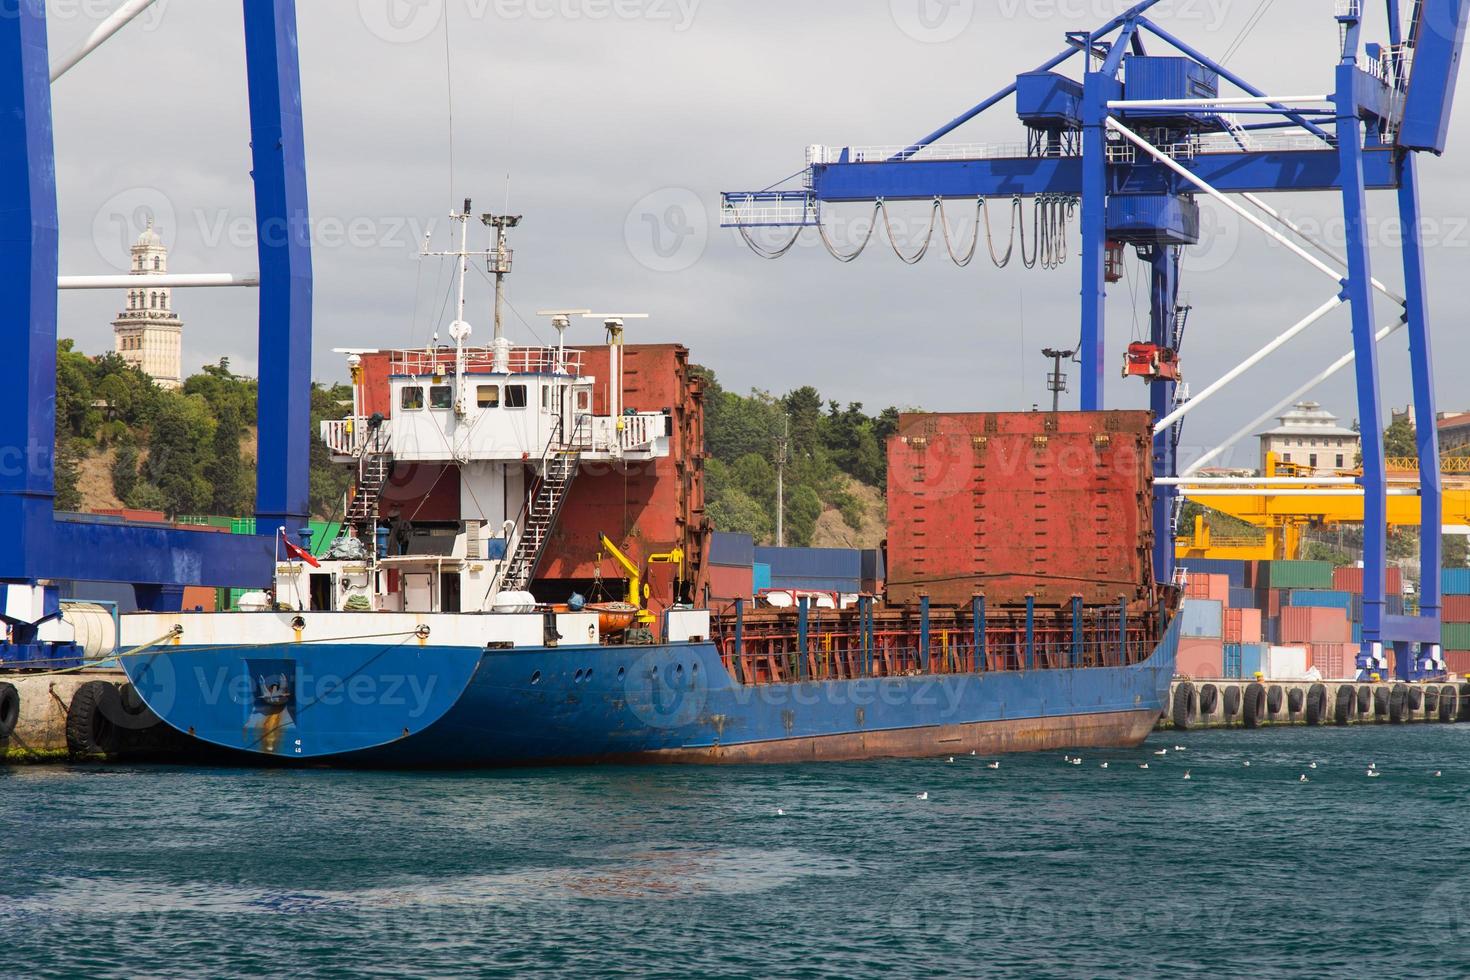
(522, 580)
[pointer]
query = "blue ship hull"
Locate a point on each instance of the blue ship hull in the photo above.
(406, 705)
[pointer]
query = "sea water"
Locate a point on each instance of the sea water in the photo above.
(1037, 868)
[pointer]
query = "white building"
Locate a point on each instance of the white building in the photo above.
(148, 334)
(1311, 437)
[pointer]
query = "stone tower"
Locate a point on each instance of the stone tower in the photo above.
(148, 333)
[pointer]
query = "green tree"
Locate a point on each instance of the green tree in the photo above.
(182, 429)
(224, 470)
(1399, 439)
(68, 476)
(803, 507)
(125, 470)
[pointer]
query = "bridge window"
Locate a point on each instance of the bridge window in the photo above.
(411, 398)
(584, 400)
(515, 396)
(441, 396)
(488, 396)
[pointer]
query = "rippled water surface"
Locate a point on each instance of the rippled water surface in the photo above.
(1039, 868)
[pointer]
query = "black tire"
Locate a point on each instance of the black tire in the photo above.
(1416, 698)
(9, 710)
(1464, 714)
(1232, 702)
(89, 719)
(1185, 714)
(1431, 702)
(1254, 709)
(1380, 702)
(1448, 704)
(1347, 703)
(1316, 704)
(1209, 698)
(1274, 697)
(1398, 703)
(1365, 699)
(135, 712)
(1294, 701)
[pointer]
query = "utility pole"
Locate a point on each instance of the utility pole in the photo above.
(781, 446)
(500, 258)
(1056, 381)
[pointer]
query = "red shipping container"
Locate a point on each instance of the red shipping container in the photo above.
(1273, 602)
(730, 582)
(1200, 657)
(1206, 586)
(1242, 626)
(1310, 624)
(1456, 609)
(1018, 503)
(1457, 662)
(1350, 579)
(1334, 661)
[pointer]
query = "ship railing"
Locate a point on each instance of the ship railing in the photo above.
(774, 656)
(418, 362)
(351, 436)
(640, 430)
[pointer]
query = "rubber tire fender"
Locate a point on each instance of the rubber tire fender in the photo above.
(1431, 702)
(1416, 697)
(1255, 704)
(1380, 702)
(9, 709)
(89, 726)
(1185, 713)
(135, 711)
(1294, 700)
(1365, 699)
(1274, 697)
(1449, 707)
(1209, 699)
(1232, 701)
(1398, 697)
(1464, 714)
(1316, 704)
(1347, 703)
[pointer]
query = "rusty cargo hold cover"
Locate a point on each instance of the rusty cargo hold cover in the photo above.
(1011, 503)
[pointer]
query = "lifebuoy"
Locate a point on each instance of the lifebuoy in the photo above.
(1274, 697)
(1398, 698)
(1209, 696)
(1448, 708)
(1316, 704)
(89, 719)
(1186, 706)
(1255, 704)
(1347, 701)
(1365, 699)
(1294, 700)
(9, 709)
(1232, 702)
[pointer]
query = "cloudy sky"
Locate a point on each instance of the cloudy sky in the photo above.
(613, 125)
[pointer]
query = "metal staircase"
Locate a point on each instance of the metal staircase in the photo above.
(375, 466)
(539, 517)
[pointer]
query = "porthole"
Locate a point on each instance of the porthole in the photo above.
(536, 677)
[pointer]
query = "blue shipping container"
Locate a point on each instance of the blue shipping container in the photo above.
(729, 548)
(1357, 632)
(1455, 581)
(1201, 617)
(1393, 605)
(1232, 660)
(760, 576)
(813, 583)
(1320, 599)
(825, 563)
(1231, 569)
(1242, 598)
(1252, 655)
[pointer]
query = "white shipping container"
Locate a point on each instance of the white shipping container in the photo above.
(1202, 618)
(1285, 663)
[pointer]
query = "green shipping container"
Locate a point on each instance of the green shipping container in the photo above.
(1294, 574)
(1455, 636)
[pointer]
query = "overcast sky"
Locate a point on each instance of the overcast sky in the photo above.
(612, 126)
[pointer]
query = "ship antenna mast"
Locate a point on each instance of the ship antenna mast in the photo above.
(460, 329)
(500, 258)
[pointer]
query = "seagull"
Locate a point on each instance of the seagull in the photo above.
(1066, 758)
(924, 795)
(1436, 774)
(1143, 766)
(1246, 763)
(972, 751)
(992, 765)
(1186, 774)
(780, 812)
(1312, 765)
(1178, 748)
(1077, 761)
(1162, 752)
(1372, 773)
(951, 758)
(1372, 765)
(1103, 766)
(1303, 778)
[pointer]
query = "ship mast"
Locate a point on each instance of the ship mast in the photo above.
(460, 329)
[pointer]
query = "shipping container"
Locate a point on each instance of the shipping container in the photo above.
(1322, 598)
(1201, 618)
(1228, 567)
(1350, 579)
(199, 598)
(1242, 598)
(822, 563)
(1393, 605)
(816, 583)
(1200, 657)
(1313, 624)
(1357, 633)
(1294, 575)
(1455, 581)
(729, 548)
(1457, 662)
(1253, 659)
(870, 564)
(1269, 601)
(1284, 663)
(1455, 636)
(760, 575)
(1456, 609)
(1242, 626)
(1271, 629)
(1018, 503)
(1334, 661)
(1208, 586)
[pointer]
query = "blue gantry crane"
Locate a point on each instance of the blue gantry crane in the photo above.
(1153, 124)
(36, 545)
